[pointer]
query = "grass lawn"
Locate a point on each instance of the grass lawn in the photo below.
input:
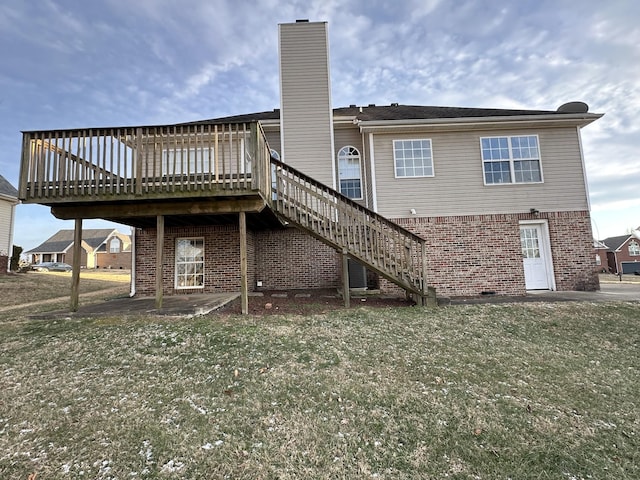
(32, 288)
(467, 392)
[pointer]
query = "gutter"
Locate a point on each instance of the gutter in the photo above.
(580, 119)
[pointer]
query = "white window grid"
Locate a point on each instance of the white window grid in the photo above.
(413, 158)
(350, 172)
(634, 248)
(189, 263)
(511, 159)
(114, 245)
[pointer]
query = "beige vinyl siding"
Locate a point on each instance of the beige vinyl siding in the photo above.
(5, 227)
(273, 139)
(305, 113)
(458, 185)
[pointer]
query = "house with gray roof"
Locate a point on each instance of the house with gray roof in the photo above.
(101, 248)
(623, 254)
(8, 202)
(400, 198)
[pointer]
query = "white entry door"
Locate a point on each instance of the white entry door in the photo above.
(533, 256)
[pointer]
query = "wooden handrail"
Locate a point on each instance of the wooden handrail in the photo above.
(84, 165)
(385, 247)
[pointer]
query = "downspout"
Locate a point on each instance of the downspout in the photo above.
(132, 291)
(374, 185)
(12, 221)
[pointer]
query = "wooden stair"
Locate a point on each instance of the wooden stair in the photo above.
(357, 232)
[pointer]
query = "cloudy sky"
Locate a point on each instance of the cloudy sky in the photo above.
(71, 63)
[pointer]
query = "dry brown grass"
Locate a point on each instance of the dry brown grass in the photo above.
(467, 392)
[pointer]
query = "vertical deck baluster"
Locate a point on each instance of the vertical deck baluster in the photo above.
(68, 162)
(48, 165)
(104, 168)
(37, 159)
(111, 155)
(78, 166)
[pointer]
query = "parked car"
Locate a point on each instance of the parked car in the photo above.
(51, 267)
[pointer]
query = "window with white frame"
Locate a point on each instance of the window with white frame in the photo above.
(634, 248)
(114, 245)
(511, 159)
(349, 172)
(413, 158)
(189, 263)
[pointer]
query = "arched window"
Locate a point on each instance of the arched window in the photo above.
(275, 154)
(114, 245)
(634, 248)
(349, 172)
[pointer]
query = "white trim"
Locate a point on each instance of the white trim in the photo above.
(545, 247)
(359, 157)
(333, 145)
(175, 265)
(374, 184)
(282, 156)
(505, 120)
(584, 169)
(395, 167)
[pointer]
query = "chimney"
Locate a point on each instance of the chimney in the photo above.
(306, 114)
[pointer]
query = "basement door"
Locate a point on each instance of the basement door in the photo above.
(534, 257)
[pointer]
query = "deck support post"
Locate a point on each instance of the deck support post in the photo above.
(345, 279)
(77, 260)
(159, 259)
(244, 287)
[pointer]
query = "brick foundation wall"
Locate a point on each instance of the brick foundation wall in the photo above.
(282, 259)
(573, 251)
(290, 259)
(4, 264)
(221, 263)
(469, 255)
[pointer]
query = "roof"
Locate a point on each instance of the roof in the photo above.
(7, 189)
(614, 243)
(392, 112)
(63, 239)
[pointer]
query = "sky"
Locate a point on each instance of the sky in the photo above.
(74, 63)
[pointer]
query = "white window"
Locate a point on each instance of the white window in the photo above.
(598, 259)
(511, 159)
(634, 248)
(413, 158)
(349, 172)
(189, 263)
(275, 154)
(114, 245)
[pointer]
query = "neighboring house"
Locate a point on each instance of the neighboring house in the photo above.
(602, 261)
(8, 202)
(623, 254)
(465, 200)
(101, 248)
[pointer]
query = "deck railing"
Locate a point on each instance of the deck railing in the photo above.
(394, 252)
(207, 160)
(137, 162)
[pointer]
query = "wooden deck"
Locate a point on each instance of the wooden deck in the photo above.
(202, 174)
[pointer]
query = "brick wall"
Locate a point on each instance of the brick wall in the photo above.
(221, 263)
(120, 260)
(4, 264)
(290, 259)
(468, 255)
(574, 256)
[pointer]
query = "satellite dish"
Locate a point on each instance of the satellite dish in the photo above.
(573, 107)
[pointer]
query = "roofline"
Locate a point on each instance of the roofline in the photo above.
(10, 198)
(579, 119)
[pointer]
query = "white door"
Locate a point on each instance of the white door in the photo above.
(533, 256)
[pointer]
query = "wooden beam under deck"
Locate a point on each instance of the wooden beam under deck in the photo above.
(196, 207)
